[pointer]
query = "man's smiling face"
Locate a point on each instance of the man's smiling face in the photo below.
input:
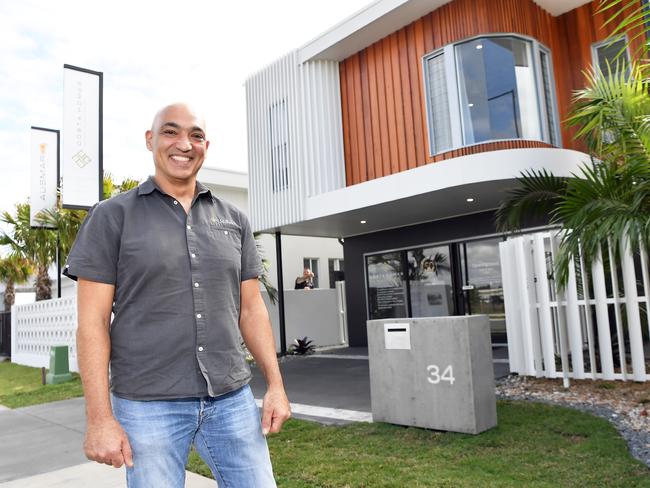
(178, 143)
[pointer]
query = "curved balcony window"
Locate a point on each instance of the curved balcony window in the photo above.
(489, 89)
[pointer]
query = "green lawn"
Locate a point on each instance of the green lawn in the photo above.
(534, 445)
(20, 386)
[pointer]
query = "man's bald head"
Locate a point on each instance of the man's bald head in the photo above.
(167, 110)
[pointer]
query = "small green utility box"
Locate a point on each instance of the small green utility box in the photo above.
(59, 368)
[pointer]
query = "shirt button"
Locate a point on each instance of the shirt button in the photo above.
(200, 348)
(175, 202)
(193, 255)
(189, 227)
(196, 285)
(198, 315)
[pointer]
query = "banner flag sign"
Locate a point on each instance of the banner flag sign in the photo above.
(82, 170)
(44, 172)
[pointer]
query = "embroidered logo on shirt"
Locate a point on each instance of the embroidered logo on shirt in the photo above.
(223, 222)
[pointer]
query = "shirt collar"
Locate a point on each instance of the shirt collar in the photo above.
(150, 185)
(147, 187)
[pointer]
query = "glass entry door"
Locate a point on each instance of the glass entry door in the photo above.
(386, 286)
(430, 284)
(482, 285)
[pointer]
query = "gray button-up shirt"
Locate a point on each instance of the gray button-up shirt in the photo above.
(177, 276)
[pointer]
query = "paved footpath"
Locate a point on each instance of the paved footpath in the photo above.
(40, 446)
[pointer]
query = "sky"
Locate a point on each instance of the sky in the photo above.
(152, 52)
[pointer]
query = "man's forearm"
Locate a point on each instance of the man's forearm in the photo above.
(105, 442)
(93, 355)
(255, 328)
(94, 302)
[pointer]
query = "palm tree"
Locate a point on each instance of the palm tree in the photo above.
(33, 244)
(611, 195)
(13, 270)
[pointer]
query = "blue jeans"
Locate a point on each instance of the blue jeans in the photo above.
(226, 432)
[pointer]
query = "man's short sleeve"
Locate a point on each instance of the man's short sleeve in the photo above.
(251, 264)
(95, 251)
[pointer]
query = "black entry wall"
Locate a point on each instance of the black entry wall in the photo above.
(466, 227)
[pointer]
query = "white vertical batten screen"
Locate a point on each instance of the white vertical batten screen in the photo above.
(297, 107)
(81, 168)
(44, 172)
(322, 127)
(571, 322)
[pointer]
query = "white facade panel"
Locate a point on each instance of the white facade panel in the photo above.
(273, 114)
(297, 107)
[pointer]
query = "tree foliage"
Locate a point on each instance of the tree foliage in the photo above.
(34, 244)
(14, 270)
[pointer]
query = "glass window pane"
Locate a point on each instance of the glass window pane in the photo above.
(438, 104)
(430, 282)
(548, 97)
(386, 286)
(335, 267)
(497, 90)
(608, 58)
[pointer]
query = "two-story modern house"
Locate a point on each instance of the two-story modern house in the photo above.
(399, 130)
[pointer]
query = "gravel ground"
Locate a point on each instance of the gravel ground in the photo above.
(625, 404)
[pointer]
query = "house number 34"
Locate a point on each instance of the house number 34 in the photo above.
(434, 377)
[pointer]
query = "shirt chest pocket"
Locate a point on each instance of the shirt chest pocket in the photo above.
(225, 242)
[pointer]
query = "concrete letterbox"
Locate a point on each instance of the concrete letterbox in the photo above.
(434, 373)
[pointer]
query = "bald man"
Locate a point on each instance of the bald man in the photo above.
(178, 269)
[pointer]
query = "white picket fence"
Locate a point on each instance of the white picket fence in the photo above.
(36, 327)
(569, 333)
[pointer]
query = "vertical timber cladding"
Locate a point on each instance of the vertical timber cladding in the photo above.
(382, 86)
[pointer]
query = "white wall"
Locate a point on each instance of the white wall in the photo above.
(316, 314)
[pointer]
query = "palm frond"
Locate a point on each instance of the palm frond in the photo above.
(266, 264)
(612, 114)
(538, 194)
(606, 200)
